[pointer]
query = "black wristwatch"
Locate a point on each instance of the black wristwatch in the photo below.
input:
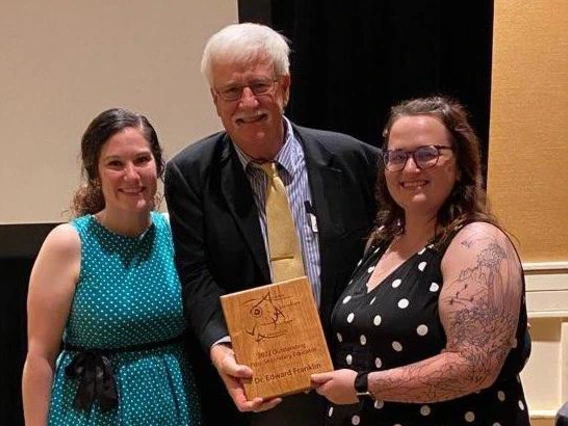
(362, 384)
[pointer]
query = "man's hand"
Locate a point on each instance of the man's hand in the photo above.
(234, 375)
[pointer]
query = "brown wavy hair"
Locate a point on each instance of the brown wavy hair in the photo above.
(467, 201)
(88, 199)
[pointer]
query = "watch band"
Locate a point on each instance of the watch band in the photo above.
(362, 384)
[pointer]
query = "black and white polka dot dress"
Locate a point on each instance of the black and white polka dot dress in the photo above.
(396, 324)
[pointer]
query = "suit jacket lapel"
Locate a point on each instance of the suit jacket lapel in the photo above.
(325, 181)
(238, 195)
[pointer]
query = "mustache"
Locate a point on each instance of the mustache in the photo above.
(249, 115)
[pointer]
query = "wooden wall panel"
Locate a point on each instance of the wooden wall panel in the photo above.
(528, 150)
(527, 179)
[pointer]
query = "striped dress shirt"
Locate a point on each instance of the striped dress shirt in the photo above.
(292, 169)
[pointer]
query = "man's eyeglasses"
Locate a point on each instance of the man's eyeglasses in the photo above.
(235, 92)
(424, 157)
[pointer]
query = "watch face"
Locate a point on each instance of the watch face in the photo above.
(362, 383)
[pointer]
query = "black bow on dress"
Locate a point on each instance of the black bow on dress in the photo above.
(96, 380)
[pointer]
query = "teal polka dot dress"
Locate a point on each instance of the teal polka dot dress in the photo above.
(128, 294)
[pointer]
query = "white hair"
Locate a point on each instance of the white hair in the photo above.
(243, 43)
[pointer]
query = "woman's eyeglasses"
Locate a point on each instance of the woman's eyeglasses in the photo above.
(424, 157)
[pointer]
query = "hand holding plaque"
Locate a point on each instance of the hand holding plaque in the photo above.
(275, 329)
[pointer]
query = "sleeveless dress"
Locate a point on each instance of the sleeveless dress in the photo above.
(396, 324)
(128, 295)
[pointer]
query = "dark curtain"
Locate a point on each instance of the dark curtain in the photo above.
(19, 245)
(14, 274)
(352, 60)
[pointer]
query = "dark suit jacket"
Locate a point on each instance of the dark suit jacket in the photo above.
(218, 241)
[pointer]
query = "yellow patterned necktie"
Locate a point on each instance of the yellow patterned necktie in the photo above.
(284, 247)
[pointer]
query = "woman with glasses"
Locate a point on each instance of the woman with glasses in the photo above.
(431, 329)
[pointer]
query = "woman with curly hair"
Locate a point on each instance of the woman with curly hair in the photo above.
(105, 285)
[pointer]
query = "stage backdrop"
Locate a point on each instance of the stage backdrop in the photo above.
(64, 61)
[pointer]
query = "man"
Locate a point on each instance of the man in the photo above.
(216, 194)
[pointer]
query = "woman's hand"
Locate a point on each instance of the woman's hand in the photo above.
(337, 386)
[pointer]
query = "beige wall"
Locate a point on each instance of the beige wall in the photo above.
(528, 175)
(64, 61)
(528, 156)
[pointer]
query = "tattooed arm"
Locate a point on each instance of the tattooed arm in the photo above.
(479, 310)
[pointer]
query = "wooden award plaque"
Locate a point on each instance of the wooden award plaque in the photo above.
(275, 329)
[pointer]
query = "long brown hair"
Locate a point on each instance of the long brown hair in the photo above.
(467, 201)
(88, 199)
